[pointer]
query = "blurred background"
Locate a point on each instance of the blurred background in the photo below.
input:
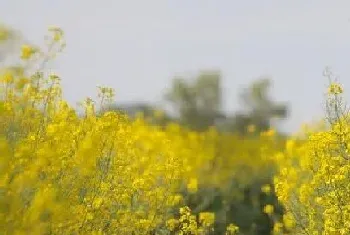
(139, 47)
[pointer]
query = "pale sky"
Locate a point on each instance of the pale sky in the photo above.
(137, 47)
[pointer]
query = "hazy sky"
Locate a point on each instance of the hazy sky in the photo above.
(138, 46)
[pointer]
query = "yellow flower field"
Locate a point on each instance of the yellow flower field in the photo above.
(68, 172)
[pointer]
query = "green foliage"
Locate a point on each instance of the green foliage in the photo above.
(198, 104)
(259, 109)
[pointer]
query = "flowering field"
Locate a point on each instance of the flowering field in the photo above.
(65, 172)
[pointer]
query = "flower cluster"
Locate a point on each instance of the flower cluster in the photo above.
(313, 180)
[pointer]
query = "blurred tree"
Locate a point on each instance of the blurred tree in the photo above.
(198, 104)
(259, 109)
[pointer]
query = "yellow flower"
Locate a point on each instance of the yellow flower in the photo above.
(171, 224)
(57, 33)
(277, 228)
(269, 133)
(266, 189)
(268, 209)
(192, 186)
(97, 202)
(8, 78)
(288, 221)
(232, 229)
(290, 144)
(207, 218)
(21, 83)
(335, 89)
(185, 210)
(27, 52)
(89, 216)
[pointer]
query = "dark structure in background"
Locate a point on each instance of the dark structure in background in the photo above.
(197, 104)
